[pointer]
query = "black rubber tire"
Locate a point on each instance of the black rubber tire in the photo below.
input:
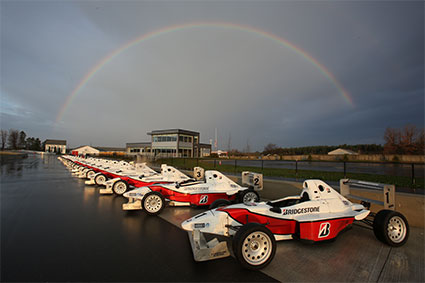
(243, 193)
(96, 179)
(380, 227)
(159, 197)
(116, 184)
(239, 249)
(219, 203)
(88, 172)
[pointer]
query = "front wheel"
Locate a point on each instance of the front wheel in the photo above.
(153, 203)
(391, 228)
(248, 196)
(254, 246)
(100, 179)
(120, 187)
(90, 174)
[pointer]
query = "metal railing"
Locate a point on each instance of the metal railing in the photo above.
(414, 171)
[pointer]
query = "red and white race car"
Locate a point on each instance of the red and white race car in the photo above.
(137, 171)
(318, 214)
(216, 190)
(96, 168)
(120, 184)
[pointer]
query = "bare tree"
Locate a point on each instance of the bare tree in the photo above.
(420, 142)
(229, 142)
(248, 147)
(270, 148)
(392, 141)
(408, 137)
(13, 138)
(3, 138)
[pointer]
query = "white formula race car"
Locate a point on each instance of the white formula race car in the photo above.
(120, 184)
(214, 191)
(319, 213)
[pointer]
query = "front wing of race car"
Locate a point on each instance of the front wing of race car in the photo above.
(135, 198)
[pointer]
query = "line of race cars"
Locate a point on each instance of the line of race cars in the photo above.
(235, 212)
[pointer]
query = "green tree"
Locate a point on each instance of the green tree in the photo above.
(21, 141)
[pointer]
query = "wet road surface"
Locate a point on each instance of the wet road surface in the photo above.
(53, 228)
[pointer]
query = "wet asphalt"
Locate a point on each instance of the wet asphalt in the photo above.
(54, 228)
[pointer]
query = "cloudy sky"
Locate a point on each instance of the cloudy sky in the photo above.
(284, 72)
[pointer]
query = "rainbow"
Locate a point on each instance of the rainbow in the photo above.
(174, 28)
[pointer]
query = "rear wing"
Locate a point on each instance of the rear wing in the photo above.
(198, 173)
(253, 179)
(388, 191)
(170, 173)
(142, 167)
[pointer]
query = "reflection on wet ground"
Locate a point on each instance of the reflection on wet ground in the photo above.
(54, 228)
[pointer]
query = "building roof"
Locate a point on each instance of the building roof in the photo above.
(173, 131)
(103, 148)
(138, 144)
(341, 151)
(205, 145)
(59, 142)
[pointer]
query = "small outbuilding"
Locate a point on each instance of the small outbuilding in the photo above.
(341, 151)
(85, 150)
(97, 150)
(57, 146)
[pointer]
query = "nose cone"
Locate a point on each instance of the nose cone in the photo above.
(205, 222)
(187, 224)
(138, 193)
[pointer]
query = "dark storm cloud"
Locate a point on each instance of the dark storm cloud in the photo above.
(205, 78)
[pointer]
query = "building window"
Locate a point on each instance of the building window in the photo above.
(185, 139)
(165, 138)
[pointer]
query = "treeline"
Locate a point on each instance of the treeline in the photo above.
(406, 140)
(322, 149)
(15, 139)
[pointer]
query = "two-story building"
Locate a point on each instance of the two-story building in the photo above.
(175, 142)
(171, 143)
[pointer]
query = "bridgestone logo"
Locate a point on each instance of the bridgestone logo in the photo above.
(300, 210)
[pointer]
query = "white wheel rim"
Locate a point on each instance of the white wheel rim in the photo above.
(90, 174)
(257, 248)
(249, 197)
(396, 229)
(120, 188)
(100, 179)
(153, 203)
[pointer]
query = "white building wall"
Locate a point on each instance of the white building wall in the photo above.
(55, 147)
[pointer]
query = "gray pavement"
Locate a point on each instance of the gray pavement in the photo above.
(53, 228)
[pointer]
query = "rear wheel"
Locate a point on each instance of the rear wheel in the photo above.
(120, 187)
(219, 203)
(153, 203)
(391, 228)
(100, 179)
(254, 246)
(248, 196)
